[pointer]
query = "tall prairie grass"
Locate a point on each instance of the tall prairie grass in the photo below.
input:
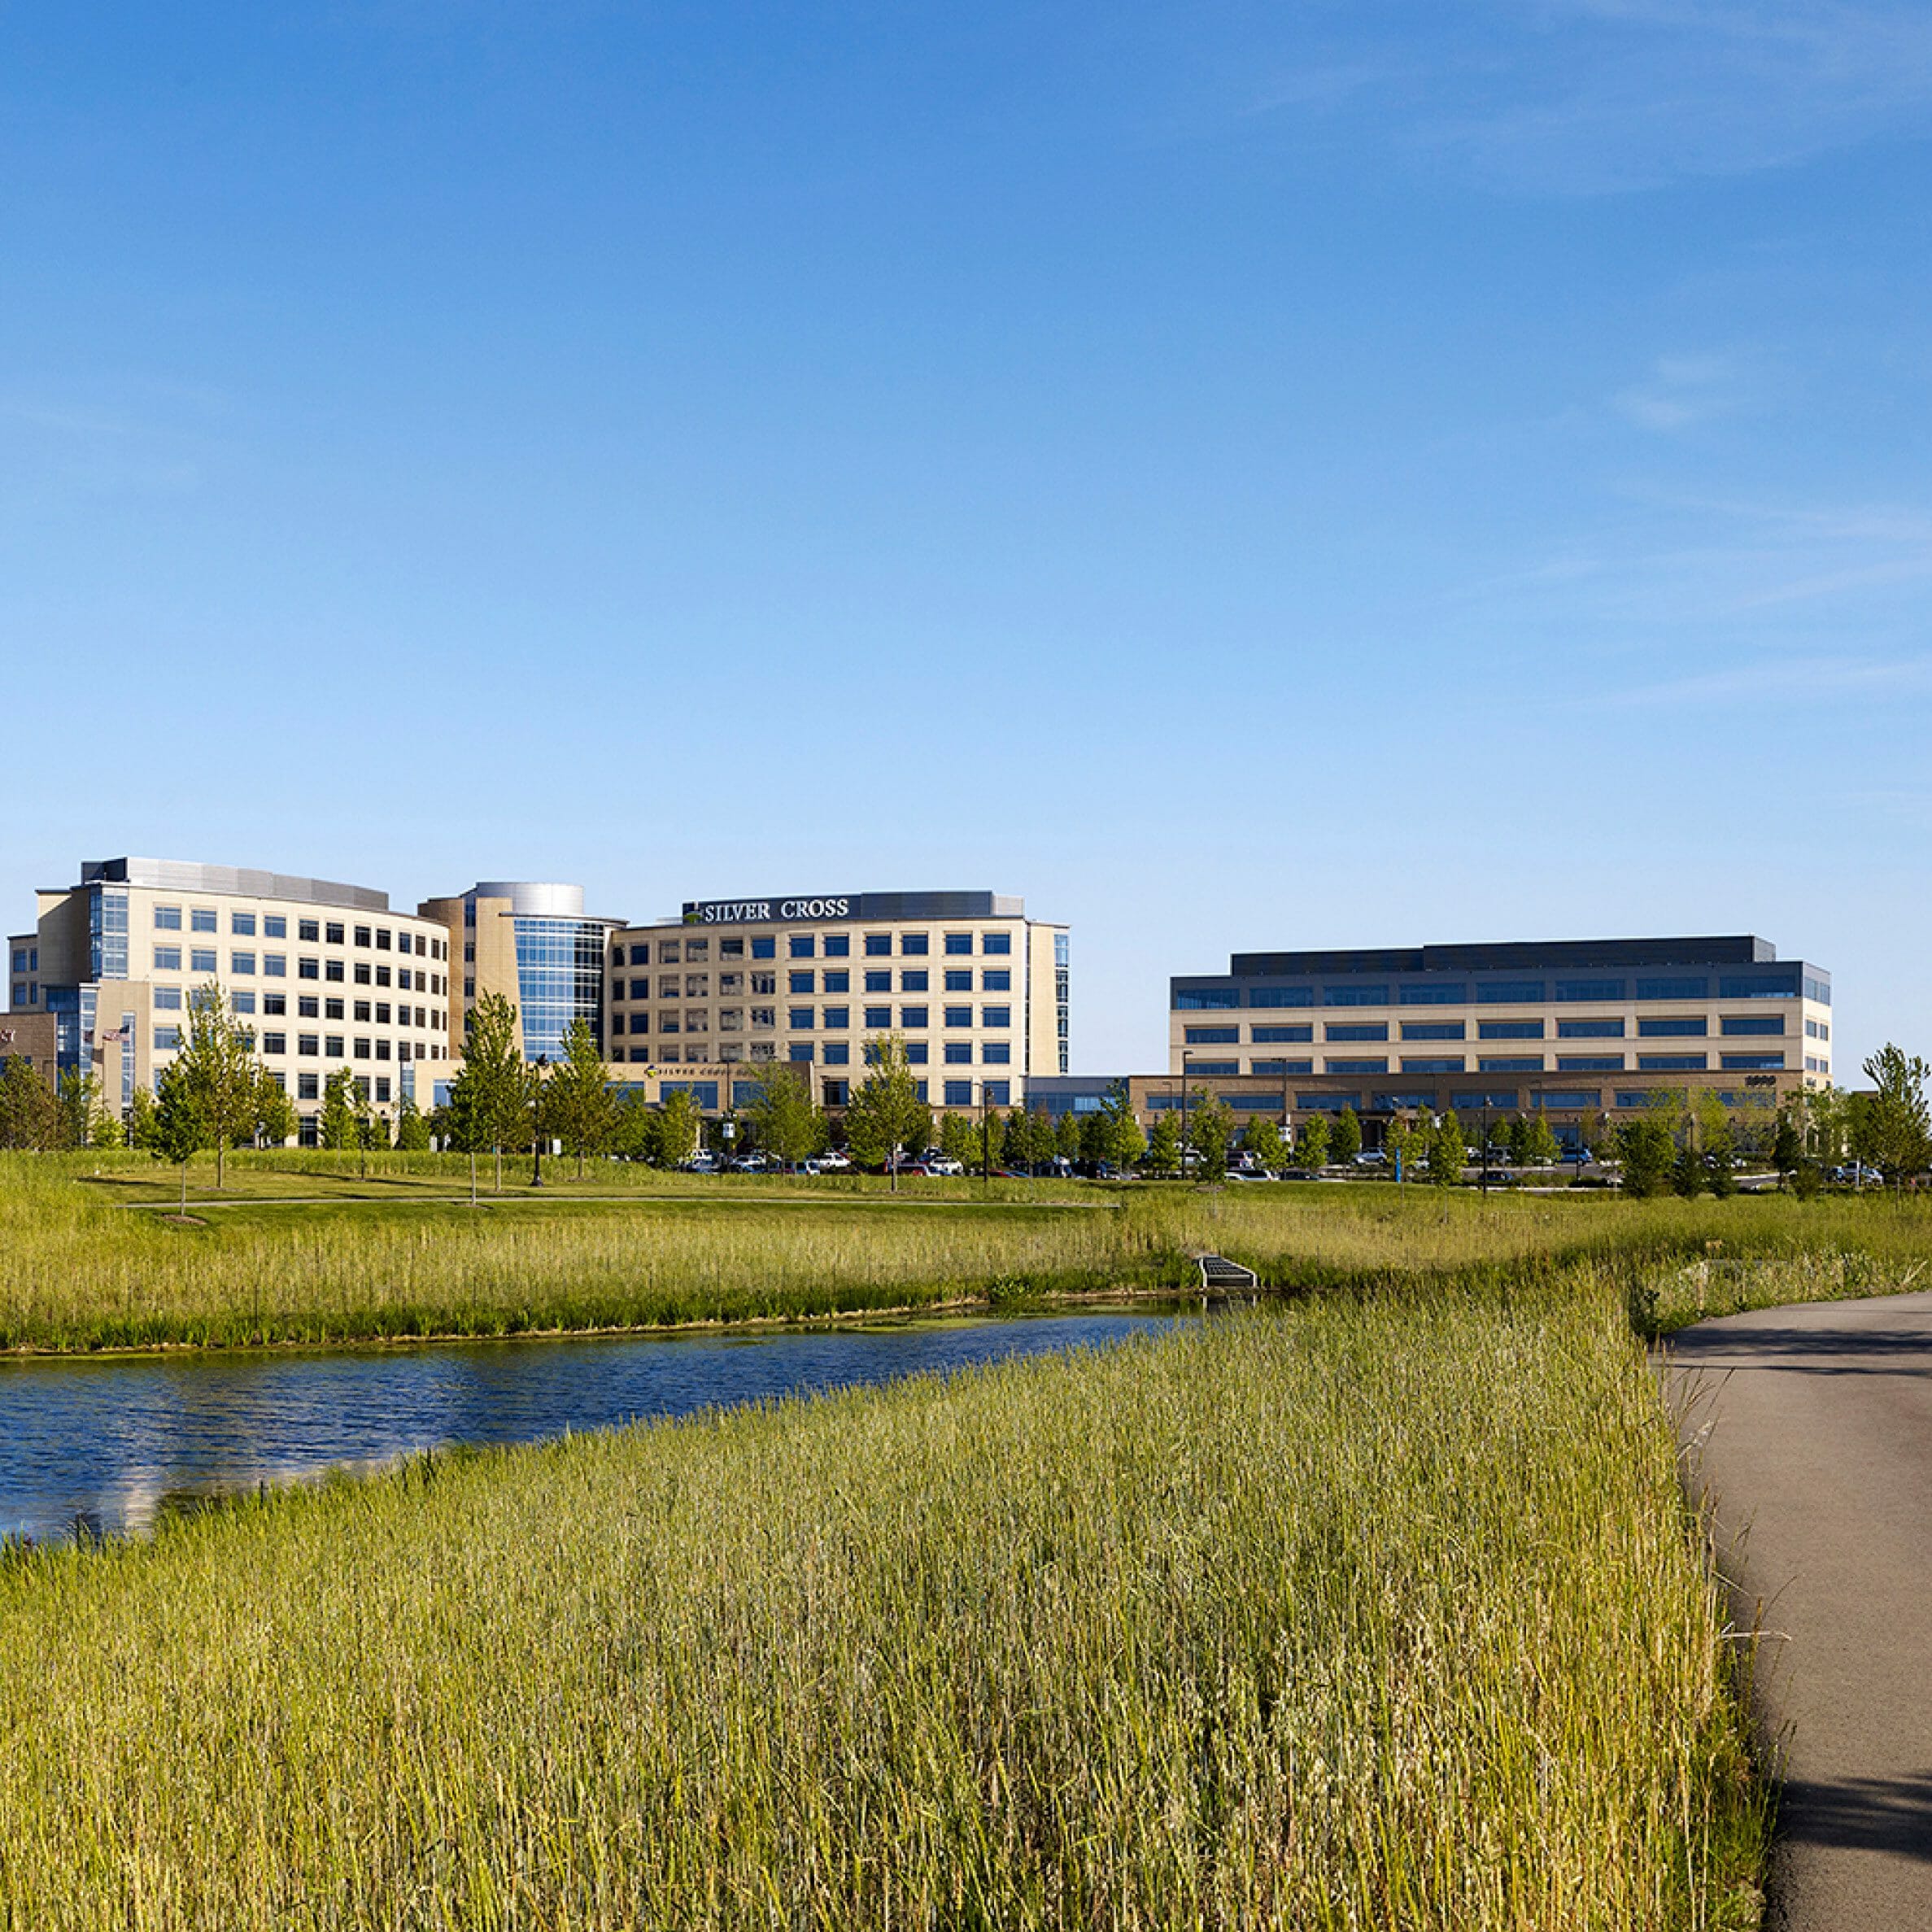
(78, 1271)
(1361, 1612)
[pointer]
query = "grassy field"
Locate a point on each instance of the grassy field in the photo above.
(392, 1257)
(1357, 1612)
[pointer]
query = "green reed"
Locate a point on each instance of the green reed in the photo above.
(1359, 1612)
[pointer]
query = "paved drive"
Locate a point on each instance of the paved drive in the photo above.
(1814, 1433)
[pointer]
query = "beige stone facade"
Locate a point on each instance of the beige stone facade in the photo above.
(976, 990)
(325, 975)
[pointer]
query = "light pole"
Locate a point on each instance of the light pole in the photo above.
(1184, 1059)
(536, 1137)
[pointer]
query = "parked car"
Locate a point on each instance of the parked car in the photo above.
(1372, 1157)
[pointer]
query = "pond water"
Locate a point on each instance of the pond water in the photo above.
(107, 1445)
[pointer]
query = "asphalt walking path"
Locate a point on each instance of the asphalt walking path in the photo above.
(1810, 1427)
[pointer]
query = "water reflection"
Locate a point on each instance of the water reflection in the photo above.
(108, 1447)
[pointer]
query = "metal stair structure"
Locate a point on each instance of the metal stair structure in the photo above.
(1219, 1276)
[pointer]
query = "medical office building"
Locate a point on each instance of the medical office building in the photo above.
(1582, 1031)
(976, 990)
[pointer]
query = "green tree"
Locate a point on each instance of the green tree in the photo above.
(1262, 1142)
(218, 1057)
(275, 1121)
(1717, 1142)
(1211, 1128)
(412, 1129)
(634, 1128)
(959, 1139)
(679, 1125)
(1406, 1143)
(992, 1140)
(1345, 1143)
(181, 1129)
(885, 1115)
(1066, 1136)
(1539, 1146)
(1021, 1146)
(495, 1085)
(1448, 1152)
(1311, 1144)
(1894, 1133)
(80, 1106)
(1162, 1155)
(30, 1112)
(339, 1111)
(371, 1130)
(140, 1121)
(1647, 1152)
(788, 1126)
(578, 1104)
(1123, 1141)
(1787, 1148)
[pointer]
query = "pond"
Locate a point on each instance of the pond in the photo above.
(109, 1445)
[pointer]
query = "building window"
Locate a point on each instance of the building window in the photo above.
(1354, 996)
(1509, 992)
(275, 965)
(168, 959)
(802, 946)
(959, 1052)
(878, 944)
(838, 1052)
(997, 1093)
(1196, 1035)
(800, 1019)
(762, 947)
(959, 1016)
(916, 1054)
(1752, 1023)
(1751, 1063)
(912, 943)
(201, 959)
(309, 1044)
(1374, 1029)
(1280, 1036)
(877, 982)
(837, 1018)
(1447, 1029)
(308, 1086)
(1589, 1063)
(1686, 989)
(1357, 1066)
(1433, 995)
(838, 945)
(913, 982)
(242, 962)
(308, 969)
(997, 979)
(667, 1022)
(1509, 1029)
(334, 933)
(997, 942)
(912, 1016)
(1326, 1103)
(1589, 1029)
(958, 1093)
(201, 919)
(1002, 1016)
(806, 982)
(331, 970)
(241, 1002)
(1671, 1062)
(1474, 1103)
(838, 981)
(167, 919)
(731, 1019)
(168, 999)
(999, 1053)
(1686, 1028)
(1278, 996)
(1454, 1066)
(1207, 999)
(1532, 1063)
(878, 1017)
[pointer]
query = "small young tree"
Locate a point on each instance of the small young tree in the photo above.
(1067, 1137)
(1311, 1144)
(1124, 1142)
(275, 1121)
(412, 1128)
(140, 1121)
(1021, 1145)
(1448, 1152)
(339, 1113)
(1647, 1152)
(992, 1152)
(1787, 1148)
(578, 1104)
(1162, 1154)
(1893, 1132)
(180, 1127)
(885, 1114)
(634, 1128)
(1540, 1148)
(1211, 1128)
(218, 1056)
(371, 1130)
(780, 1111)
(1347, 1141)
(80, 1106)
(1262, 1142)
(497, 1088)
(680, 1123)
(30, 1112)
(1406, 1143)
(959, 1138)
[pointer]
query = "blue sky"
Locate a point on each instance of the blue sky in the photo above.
(1244, 476)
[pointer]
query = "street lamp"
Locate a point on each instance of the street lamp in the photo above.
(536, 1137)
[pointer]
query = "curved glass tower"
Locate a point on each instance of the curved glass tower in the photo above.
(552, 967)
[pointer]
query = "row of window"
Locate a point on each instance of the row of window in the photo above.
(1504, 992)
(275, 926)
(808, 1019)
(172, 999)
(697, 986)
(827, 1052)
(310, 1046)
(1746, 1025)
(808, 945)
(203, 960)
(1200, 1069)
(1580, 1099)
(953, 1093)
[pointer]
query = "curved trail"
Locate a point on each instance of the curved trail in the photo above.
(1812, 1428)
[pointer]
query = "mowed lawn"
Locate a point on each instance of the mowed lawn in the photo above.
(1360, 1611)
